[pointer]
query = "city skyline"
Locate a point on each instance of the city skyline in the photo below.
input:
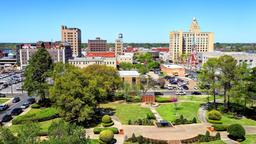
(143, 21)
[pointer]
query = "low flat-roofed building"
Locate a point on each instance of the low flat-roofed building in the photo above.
(240, 57)
(86, 61)
(130, 77)
(173, 70)
(127, 58)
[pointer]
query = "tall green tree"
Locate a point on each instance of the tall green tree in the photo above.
(65, 133)
(28, 133)
(209, 78)
(74, 93)
(228, 66)
(7, 137)
(37, 72)
(107, 81)
(126, 66)
(242, 87)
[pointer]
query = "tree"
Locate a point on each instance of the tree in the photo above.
(208, 77)
(6, 136)
(74, 93)
(228, 67)
(28, 133)
(64, 133)
(125, 66)
(242, 88)
(107, 80)
(146, 83)
(161, 82)
(37, 72)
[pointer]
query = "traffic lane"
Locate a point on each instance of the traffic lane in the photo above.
(172, 92)
(23, 99)
(8, 90)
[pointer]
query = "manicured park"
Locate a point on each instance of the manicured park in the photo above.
(172, 111)
(126, 112)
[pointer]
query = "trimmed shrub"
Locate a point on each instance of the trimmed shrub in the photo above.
(214, 121)
(107, 124)
(207, 136)
(217, 136)
(214, 115)
(106, 136)
(106, 119)
(97, 130)
(236, 131)
(220, 127)
(194, 120)
(35, 106)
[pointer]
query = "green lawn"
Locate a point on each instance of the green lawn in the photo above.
(126, 112)
(200, 98)
(3, 100)
(43, 125)
(249, 139)
(188, 109)
(228, 119)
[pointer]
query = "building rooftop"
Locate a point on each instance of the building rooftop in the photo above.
(129, 73)
(100, 54)
(172, 66)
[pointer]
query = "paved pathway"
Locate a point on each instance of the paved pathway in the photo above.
(202, 114)
(157, 115)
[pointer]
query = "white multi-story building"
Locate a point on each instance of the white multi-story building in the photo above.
(240, 57)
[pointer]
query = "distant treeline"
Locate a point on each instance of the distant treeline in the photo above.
(218, 46)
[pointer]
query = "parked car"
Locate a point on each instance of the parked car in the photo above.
(16, 111)
(195, 88)
(196, 93)
(3, 107)
(180, 93)
(158, 93)
(2, 95)
(25, 105)
(15, 100)
(6, 118)
(31, 100)
(185, 87)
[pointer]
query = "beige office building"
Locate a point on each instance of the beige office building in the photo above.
(73, 37)
(119, 45)
(186, 42)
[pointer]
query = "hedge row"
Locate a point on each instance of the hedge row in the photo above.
(97, 130)
(220, 127)
(38, 115)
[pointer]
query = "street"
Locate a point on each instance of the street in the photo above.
(23, 98)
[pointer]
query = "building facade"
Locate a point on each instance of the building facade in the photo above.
(59, 52)
(73, 37)
(126, 57)
(97, 45)
(240, 57)
(173, 70)
(119, 47)
(130, 77)
(86, 61)
(184, 43)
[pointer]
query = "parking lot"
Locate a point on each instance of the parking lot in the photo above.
(10, 87)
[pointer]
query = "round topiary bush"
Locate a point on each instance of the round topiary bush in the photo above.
(214, 115)
(106, 136)
(236, 131)
(106, 119)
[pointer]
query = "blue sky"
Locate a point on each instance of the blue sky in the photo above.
(138, 20)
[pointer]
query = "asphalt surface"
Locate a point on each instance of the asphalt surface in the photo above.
(23, 98)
